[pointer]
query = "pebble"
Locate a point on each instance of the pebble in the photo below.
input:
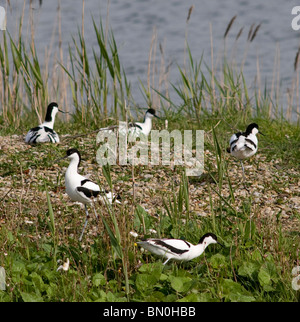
(268, 211)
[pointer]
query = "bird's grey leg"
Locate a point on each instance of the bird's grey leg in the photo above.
(86, 221)
(244, 178)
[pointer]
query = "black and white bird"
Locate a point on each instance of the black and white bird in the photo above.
(244, 145)
(135, 128)
(81, 189)
(44, 132)
(178, 249)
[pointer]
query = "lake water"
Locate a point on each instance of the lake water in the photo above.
(133, 23)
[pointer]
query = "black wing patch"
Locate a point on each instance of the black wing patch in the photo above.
(34, 132)
(47, 129)
(85, 181)
(135, 125)
(35, 129)
(88, 192)
(251, 142)
(171, 248)
(233, 144)
(51, 134)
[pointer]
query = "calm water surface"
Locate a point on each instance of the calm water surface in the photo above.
(133, 23)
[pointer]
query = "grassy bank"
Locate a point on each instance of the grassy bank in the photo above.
(40, 226)
(260, 228)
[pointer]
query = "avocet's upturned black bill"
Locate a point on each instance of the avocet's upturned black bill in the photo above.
(136, 128)
(81, 189)
(244, 145)
(44, 132)
(178, 249)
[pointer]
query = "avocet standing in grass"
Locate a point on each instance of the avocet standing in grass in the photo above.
(135, 128)
(244, 145)
(178, 249)
(44, 132)
(81, 189)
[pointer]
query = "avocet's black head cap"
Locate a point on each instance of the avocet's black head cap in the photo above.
(53, 104)
(252, 128)
(207, 235)
(73, 151)
(152, 112)
(213, 236)
(50, 108)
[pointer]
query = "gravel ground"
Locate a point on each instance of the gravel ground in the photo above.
(272, 189)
